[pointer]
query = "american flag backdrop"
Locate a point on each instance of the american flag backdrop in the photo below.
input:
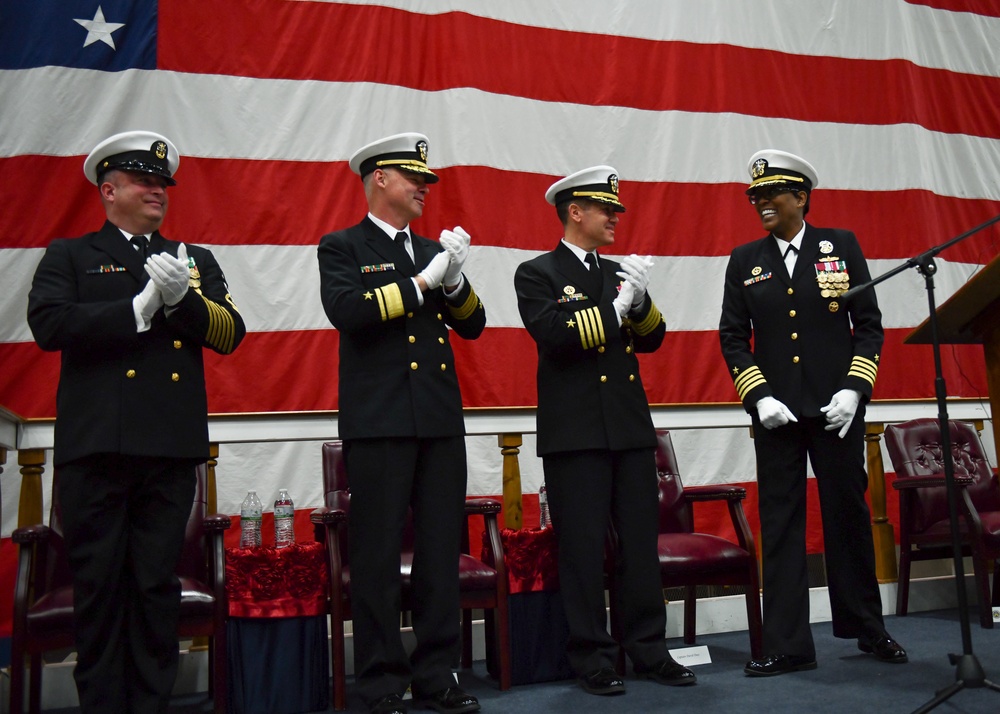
(895, 102)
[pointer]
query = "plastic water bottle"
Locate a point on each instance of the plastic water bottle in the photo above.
(250, 513)
(284, 520)
(544, 520)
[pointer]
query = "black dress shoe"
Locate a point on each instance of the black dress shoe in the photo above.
(667, 671)
(452, 700)
(603, 681)
(778, 664)
(389, 704)
(885, 649)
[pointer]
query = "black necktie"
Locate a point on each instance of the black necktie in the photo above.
(594, 279)
(400, 240)
(791, 252)
(140, 243)
(591, 261)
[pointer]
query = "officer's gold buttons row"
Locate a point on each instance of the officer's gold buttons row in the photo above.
(414, 366)
(174, 376)
(413, 339)
(604, 378)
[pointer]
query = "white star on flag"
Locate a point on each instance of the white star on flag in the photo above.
(99, 30)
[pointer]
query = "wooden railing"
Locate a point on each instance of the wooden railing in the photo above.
(33, 438)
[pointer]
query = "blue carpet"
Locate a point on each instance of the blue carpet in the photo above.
(845, 681)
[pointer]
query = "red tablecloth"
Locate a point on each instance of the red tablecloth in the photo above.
(272, 582)
(531, 557)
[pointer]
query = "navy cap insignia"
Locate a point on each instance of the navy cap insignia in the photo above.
(160, 149)
(422, 150)
(613, 180)
(825, 247)
(759, 167)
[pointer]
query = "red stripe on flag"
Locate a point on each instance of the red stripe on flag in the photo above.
(297, 371)
(232, 202)
(979, 7)
(353, 43)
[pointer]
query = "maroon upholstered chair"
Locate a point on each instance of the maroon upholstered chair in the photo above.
(43, 596)
(924, 529)
(689, 559)
(482, 585)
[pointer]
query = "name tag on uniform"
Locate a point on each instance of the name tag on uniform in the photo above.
(378, 268)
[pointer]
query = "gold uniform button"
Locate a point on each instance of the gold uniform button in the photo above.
(177, 344)
(603, 379)
(409, 314)
(631, 378)
(795, 359)
(601, 349)
(441, 340)
(444, 367)
(791, 313)
(412, 339)
(795, 335)
(130, 374)
(439, 316)
(790, 291)
(413, 366)
(628, 350)
(175, 377)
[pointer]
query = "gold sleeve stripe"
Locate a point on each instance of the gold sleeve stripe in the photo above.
(390, 302)
(863, 368)
(749, 380)
(467, 309)
(591, 328)
(650, 323)
(221, 332)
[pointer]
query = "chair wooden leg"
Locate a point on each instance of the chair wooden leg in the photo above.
(466, 639)
(755, 623)
(337, 657)
(218, 655)
(501, 638)
(35, 685)
(690, 613)
(996, 584)
(980, 567)
(17, 682)
(903, 582)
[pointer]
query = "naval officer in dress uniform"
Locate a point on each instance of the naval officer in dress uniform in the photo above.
(393, 295)
(589, 316)
(804, 364)
(132, 417)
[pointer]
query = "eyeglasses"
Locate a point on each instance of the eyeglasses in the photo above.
(769, 193)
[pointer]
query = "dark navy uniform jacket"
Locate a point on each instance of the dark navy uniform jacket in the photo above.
(781, 337)
(397, 369)
(123, 391)
(590, 395)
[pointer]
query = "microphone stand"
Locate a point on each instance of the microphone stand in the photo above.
(969, 672)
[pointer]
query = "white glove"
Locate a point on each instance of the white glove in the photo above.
(623, 303)
(170, 274)
(145, 305)
(433, 274)
(841, 410)
(636, 271)
(456, 243)
(773, 413)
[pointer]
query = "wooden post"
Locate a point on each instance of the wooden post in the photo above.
(512, 510)
(29, 508)
(211, 502)
(882, 532)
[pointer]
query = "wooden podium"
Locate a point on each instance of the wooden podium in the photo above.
(972, 316)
